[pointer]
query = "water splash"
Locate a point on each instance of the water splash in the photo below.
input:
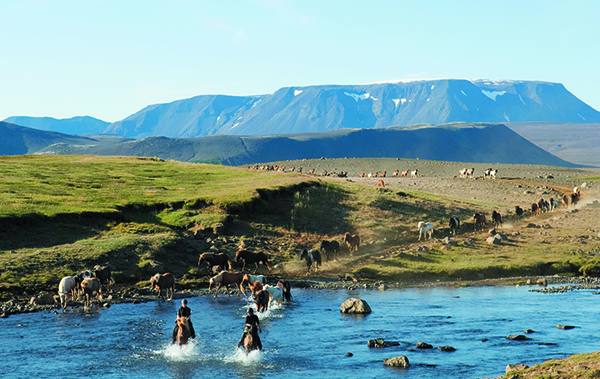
(187, 352)
(239, 356)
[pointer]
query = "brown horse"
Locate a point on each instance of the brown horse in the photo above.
(183, 332)
(89, 286)
(262, 299)
(479, 219)
(225, 279)
(255, 287)
(162, 282)
(220, 260)
(353, 241)
(249, 257)
(250, 340)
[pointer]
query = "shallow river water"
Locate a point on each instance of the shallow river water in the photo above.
(307, 337)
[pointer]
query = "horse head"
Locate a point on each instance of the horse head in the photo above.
(215, 279)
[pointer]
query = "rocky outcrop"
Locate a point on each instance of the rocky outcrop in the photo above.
(380, 342)
(424, 345)
(517, 367)
(517, 337)
(44, 298)
(401, 362)
(354, 305)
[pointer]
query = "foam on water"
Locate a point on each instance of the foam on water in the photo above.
(187, 352)
(239, 356)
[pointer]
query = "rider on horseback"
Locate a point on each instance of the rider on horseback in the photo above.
(251, 322)
(184, 312)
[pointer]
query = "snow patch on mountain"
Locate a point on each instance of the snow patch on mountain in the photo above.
(297, 92)
(357, 97)
(493, 94)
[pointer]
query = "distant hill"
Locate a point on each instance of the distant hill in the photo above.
(332, 107)
(461, 142)
(19, 140)
(577, 143)
(75, 125)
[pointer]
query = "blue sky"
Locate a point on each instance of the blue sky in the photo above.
(109, 59)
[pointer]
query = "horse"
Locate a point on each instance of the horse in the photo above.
(404, 173)
(413, 173)
(225, 279)
(250, 339)
(552, 204)
(534, 208)
(395, 174)
(518, 212)
(425, 229)
(183, 331)
(89, 286)
(255, 286)
(454, 224)
(84, 275)
(66, 285)
(162, 282)
(496, 219)
(287, 289)
(249, 257)
(211, 259)
(311, 257)
(380, 183)
(275, 293)
(261, 300)
(252, 279)
(353, 241)
(330, 248)
(103, 274)
(478, 219)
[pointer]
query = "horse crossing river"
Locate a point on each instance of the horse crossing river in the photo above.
(307, 337)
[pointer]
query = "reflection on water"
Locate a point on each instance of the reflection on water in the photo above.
(308, 337)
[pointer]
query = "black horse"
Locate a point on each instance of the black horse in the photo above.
(454, 224)
(249, 257)
(496, 219)
(287, 289)
(261, 299)
(221, 260)
(330, 248)
(311, 257)
(103, 274)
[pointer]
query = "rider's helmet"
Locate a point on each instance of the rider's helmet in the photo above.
(250, 310)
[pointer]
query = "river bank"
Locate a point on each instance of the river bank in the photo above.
(134, 295)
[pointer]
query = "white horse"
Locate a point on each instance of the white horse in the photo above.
(275, 293)
(67, 284)
(425, 229)
(253, 278)
(413, 174)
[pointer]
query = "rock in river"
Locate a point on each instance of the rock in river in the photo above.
(401, 361)
(355, 306)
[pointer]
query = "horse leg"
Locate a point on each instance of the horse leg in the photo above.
(217, 290)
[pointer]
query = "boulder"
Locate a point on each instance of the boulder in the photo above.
(424, 345)
(401, 362)
(354, 305)
(43, 298)
(447, 349)
(542, 282)
(494, 240)
(492, 232)
(449, 241)
(518, 367)
(565, 327)
(380, 342)
(517, 337)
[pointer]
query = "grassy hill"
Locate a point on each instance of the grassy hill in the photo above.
(62, 214)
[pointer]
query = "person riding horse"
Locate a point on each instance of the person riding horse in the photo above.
(252, 322)
(184, 312)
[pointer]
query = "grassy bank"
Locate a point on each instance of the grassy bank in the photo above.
(64, 214)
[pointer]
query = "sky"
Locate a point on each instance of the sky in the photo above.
(110, 58)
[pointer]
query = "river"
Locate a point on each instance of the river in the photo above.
(307, 338)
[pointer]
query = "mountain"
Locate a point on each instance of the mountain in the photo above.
(332, 107)
(19, 140)
(74, 125)
(459, 142)
(576, 143)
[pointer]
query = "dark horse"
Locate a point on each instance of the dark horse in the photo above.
(183, 331)
(454, 224)
(311, 257)
(353, 241)
(330, 248)
(496, 219)
(249, 257)
(89, 286)
(250, 340)
(262, 299)
(162, 282)
(103, 274)
(221, 260)
(287, 289)
(479, 219)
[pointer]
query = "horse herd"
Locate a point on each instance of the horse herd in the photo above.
(86, 283)
(480, 220)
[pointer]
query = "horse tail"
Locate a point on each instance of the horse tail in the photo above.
(229, 264)
(111, 281)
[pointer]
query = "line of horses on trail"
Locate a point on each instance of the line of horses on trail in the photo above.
(86, 284)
